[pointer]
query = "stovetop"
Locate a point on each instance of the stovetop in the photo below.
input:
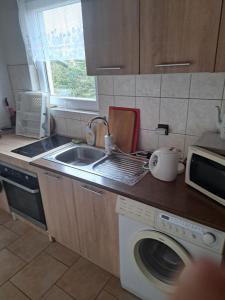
(42, 146)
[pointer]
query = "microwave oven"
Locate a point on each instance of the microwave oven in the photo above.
(205, 171)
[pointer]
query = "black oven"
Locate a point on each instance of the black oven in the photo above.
(23, 194)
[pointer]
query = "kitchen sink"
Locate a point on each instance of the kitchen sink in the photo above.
(117, 166)
(80, 156)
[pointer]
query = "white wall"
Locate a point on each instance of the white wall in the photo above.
(5, 91)
(10, 33)
(13, 47)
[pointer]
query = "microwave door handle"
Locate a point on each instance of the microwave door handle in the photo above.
(20, 185)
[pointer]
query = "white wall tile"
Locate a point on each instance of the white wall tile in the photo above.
(175, 85)
(124, 101)
(202, 116)
(149, 108)
(124, 85)
(148, 85)
(175, 140)
(105, 85)
(174, 113)
(87, 116)
(61, 127)
(73, 128)
(148, 140)
(83, 130)
(207, 85)
(189, 141)
(20, 78)
(104, 103)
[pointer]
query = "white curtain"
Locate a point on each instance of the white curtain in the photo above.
(51, 32)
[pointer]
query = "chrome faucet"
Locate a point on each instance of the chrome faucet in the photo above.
(108, 138)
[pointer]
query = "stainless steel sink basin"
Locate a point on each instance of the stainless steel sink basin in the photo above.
(80, 156)
(119, 167)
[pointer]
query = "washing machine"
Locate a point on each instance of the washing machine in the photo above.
(155, 246)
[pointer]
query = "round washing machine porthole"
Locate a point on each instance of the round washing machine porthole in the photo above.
(159, 258)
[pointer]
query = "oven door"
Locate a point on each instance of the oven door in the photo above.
(159, 258)
(25, 201)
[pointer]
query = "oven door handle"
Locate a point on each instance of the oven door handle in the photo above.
(20, 185)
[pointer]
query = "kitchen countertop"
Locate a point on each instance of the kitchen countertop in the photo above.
(174, 197)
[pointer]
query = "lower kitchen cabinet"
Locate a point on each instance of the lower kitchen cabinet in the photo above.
(82, 218)
(98, 225)
(59, 207)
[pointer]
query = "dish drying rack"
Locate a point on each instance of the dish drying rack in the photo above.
(31, 114)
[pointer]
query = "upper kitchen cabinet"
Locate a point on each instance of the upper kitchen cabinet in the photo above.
(220, 59)
(178, 36)
(111, 36)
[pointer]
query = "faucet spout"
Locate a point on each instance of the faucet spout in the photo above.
(106, 123)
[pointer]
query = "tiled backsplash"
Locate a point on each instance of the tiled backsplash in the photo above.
(184, 101)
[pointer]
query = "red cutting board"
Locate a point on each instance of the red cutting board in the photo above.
(124, 124)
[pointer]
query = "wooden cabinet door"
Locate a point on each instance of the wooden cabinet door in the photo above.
(111, 36)
(98, 226)
(60, 212)
(180, 33)
(220, 58)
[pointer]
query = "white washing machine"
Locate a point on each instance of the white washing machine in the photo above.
(156, 245)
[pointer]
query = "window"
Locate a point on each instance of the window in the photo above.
(53, 35)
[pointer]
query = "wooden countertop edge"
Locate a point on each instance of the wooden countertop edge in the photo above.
(174, 197)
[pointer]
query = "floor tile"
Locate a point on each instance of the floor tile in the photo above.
(10, 292)
(63, 254)
(105, 296)
(4, 217)
(9, 265)
(37, 277)
(18, 227)
(115, 289)
(6, 237)
(84, 280)
(29, 245)
(56, 293)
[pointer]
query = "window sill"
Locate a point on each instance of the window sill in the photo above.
(82, 115)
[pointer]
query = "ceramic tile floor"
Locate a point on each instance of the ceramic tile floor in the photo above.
(33, 268)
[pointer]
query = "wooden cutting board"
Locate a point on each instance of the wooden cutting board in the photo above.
(122, 125)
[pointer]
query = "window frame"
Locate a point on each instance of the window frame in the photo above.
(44, 69)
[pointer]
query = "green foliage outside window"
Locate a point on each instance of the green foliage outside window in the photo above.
(70, 79)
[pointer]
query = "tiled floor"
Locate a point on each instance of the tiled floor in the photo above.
(33, 268)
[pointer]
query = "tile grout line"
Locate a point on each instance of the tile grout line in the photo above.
(222, 100)
(19, 290)
(189, 94)
(160, 102)
(43, 252)
(103, 288)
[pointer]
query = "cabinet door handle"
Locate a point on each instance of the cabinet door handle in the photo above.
(86, 188)
(108, 68)
(185, 64)
(52, 175)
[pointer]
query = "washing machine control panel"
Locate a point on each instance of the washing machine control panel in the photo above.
(171, 224)
(188, 230)
(136, 210)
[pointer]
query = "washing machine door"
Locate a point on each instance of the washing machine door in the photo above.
(159, 258)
